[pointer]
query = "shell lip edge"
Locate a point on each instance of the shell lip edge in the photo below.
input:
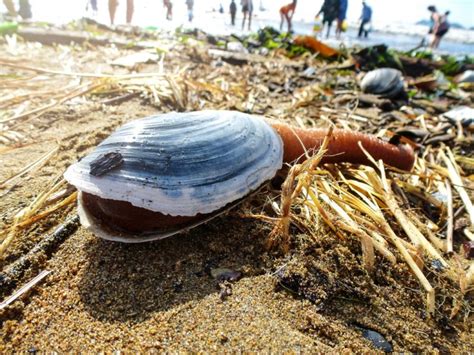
(99, 229)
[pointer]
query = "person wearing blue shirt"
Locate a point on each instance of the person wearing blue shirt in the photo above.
(365, 19)
(341, 16)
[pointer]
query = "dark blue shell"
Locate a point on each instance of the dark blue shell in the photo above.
(387, 82)
(184, 163)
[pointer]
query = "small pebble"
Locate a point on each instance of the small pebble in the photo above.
(224, 339)
(178, 286)
(437, 265)
(469, 250)
(226, 291)
(224, 274)
(377, 339)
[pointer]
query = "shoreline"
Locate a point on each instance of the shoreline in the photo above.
(395, 35)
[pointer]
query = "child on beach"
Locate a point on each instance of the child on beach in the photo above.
(286, 13)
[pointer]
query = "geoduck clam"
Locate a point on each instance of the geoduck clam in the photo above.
(160, 175)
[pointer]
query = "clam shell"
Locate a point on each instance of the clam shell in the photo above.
(182, 164)
(387, 82)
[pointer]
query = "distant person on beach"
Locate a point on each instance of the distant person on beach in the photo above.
(169, 9)
(286, 13)
(10, 7)
(440, 26)
(190, 5)
(433, 17)
(93, 5)
(233, 11)
(24, 9)
(329, 11)
(341, 17)
(365, 19)
(113, 4)
(247, 9)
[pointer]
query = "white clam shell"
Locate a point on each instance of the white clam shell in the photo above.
(182, 164)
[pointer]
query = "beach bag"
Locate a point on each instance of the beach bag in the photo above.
(344, 26)
(368, 27)
(318, 25)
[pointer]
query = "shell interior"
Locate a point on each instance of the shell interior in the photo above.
(104, 231)
(182, 164)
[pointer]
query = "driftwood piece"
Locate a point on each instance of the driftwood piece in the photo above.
(57, 36)
(238, 58)
(233, 58)
(24, 289)
(10, 276)
(430, 106)
(373, 100)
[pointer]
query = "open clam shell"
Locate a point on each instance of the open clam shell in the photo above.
(179, 164)
(386, 82)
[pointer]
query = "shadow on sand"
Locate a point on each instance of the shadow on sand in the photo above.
(129, 282)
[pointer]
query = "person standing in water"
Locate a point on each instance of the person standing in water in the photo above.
(10, 7)
(341, 16)
(190, 5)
(286, 13)
(247, 9)
(329, 10)
(169, 9)
(233, 11)
(113, 4)
(93, 5)
(24, 9)
(365, 19)
(440, 26)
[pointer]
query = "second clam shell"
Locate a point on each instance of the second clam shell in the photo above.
(387, 82)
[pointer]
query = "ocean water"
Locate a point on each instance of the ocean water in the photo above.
(404, 41)
(151, 13)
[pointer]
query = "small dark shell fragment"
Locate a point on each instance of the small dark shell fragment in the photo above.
(105, 163)
(377, 340)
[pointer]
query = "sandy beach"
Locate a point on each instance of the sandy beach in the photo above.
(170, 295)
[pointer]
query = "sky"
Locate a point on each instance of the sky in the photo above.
(384, 11)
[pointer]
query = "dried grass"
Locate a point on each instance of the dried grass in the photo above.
(32, 214)
(361, 202)
(27, 96)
